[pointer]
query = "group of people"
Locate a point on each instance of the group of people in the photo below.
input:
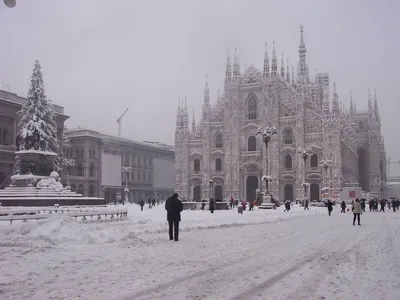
(150, 202)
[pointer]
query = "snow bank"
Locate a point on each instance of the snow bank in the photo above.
(60, 229)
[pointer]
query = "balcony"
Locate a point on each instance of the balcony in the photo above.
(251, 156)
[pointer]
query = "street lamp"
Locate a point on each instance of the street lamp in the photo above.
(211, 183)
(326, 164)
(305, 153)
(126, 170)
(10, 3)
(266, 134)
(68, 162)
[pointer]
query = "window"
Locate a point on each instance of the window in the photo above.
(69, 171)
(3, 136)
(252, 143)
(138, 175)
(218, 164)
(252, 108)
(127, 159)
(288, 161)
(144, 176)
(196, 165)
(73, 187)
(91, 170)
(80, 189)
(288, 136)
(82, 153)
(314, 161)
(150, 177)
(219, 143)
(80, 170)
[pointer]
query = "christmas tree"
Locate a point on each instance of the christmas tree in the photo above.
(38, 129)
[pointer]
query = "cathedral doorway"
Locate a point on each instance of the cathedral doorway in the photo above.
(288, 192)
(197, 193)
(314, 192)
(218, 192)
(251, 186)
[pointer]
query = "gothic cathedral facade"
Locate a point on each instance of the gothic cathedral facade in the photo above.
(221, 156)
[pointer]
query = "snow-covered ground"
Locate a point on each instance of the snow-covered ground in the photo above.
(295, 255)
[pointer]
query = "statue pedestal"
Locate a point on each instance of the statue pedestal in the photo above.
(267, 203)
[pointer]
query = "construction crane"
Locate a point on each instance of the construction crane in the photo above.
(10, 3)
(119, 121)
(389, 162)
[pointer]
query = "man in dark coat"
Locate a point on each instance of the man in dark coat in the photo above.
(141, 203)
(173, 206)
(329, 205)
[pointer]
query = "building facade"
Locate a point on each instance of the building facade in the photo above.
(99, 160)
(10, 105)
(223, 146)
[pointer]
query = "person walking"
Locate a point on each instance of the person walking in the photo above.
(174, 207)
(287, 205)
(356, 208)
(306, 204)
(212, 205)
(141, 203)
(329, 205)
(343, 206)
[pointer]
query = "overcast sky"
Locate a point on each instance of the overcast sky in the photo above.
(101, 56)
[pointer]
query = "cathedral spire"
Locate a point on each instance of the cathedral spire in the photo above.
(228, 71)
(179, 114)
(303, 69)
(282, 68)
(193, 123)
(376, 109)
(287, 72)
(206, 91)
(335, 102)
(185, 116)
(274, 67)
(236, 68)
(351, 103)
(266, 62)
(370, 109)
(293, 78)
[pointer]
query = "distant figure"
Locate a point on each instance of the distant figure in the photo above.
(173, 206)
(329, 205)
(212, 205)
(251, 205)
(343, 206)
(141, 203)
(356, 208)
(306, 205)
(383, 204)
(149, 202)
(153, 202)
(287, 205)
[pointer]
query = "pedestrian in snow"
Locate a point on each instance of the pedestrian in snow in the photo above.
(287, 205)
(251, 205)
(173, 206)
(356, 208)
(329, 205)
(383, 204)
(343, 206)
(149, 202)
(362, 202)
(153, 202)
(306, 204)
(394, 205)
(141, 203)
(231, 202)
(212, 205)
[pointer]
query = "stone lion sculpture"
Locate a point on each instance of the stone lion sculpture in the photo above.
(53, 182)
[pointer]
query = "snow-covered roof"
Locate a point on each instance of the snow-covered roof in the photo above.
(33, 151)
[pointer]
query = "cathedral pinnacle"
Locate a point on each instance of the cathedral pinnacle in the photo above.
(293, 78)
(228, 71)
(370, 109)
(282, 68)
(236, 68)
(266, 62)
(274, 68)
(376, 109)
(287, 72)
(351, 103)
(303, 69)
(193, 123)
(206, 91)
(335, 102)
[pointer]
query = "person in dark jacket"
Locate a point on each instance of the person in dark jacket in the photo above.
(343, 206)
(212, 205)
(329, 205)
(141, 203)
(173, 206)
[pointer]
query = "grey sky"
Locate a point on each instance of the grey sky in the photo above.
(101, 56)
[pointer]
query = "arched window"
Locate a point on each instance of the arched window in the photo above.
(288, 138)
(80, 170)
(218, 164)
(91, 170)
(252, 108)
(288, 161)
(252, 143)
(91, 191)
(80, 189)
(314, 161)
(219, 142)
(196, 165)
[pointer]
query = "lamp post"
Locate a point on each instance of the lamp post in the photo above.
(126, 170)
(266, 135)
(211, 183)
(305, 154)
(326, 164)
(67, 162)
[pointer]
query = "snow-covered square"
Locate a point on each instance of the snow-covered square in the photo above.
(258, 255)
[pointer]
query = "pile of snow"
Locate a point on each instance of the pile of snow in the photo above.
(60, 229)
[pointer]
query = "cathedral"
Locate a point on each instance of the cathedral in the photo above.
(222, 156)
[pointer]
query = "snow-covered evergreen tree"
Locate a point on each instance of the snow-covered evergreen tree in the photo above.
(38, 129)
